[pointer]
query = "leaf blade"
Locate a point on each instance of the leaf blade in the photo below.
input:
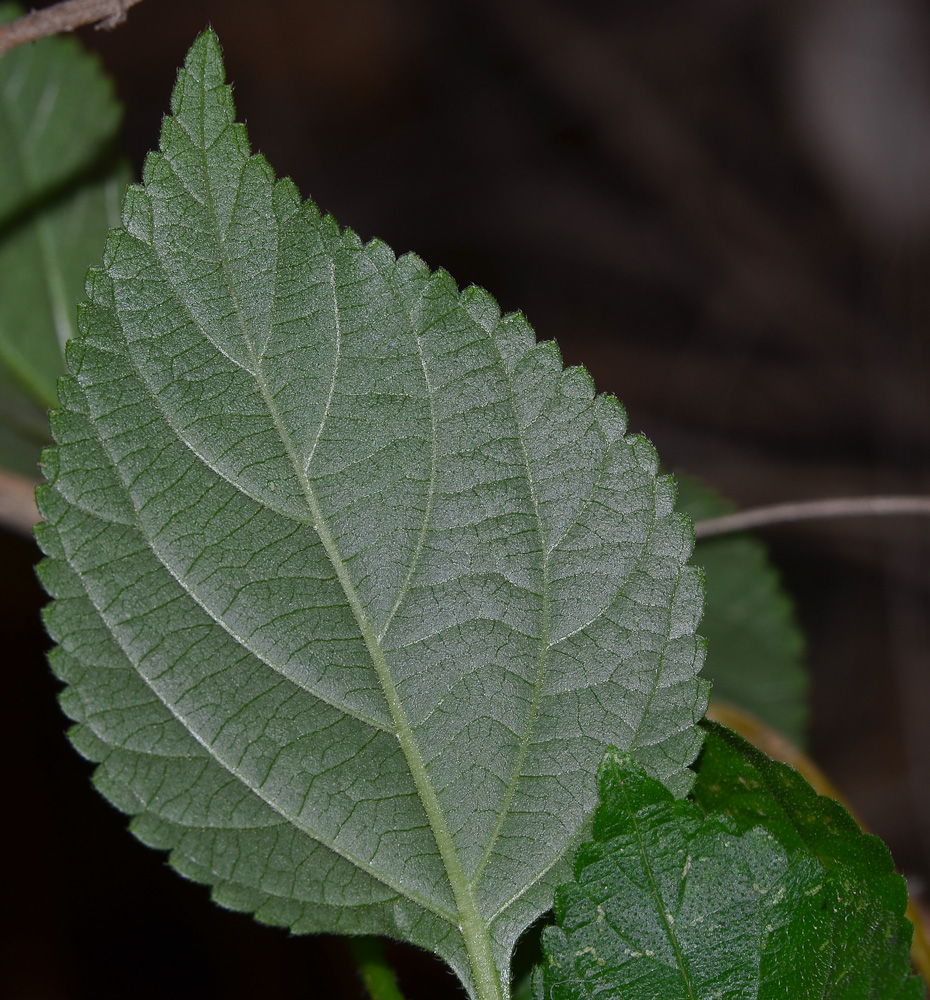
(671, 899)
(368, 544)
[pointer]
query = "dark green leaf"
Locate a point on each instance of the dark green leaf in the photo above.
(355, 584)
(674, 902)
(60, 186)
(754, 645)
(739, 781)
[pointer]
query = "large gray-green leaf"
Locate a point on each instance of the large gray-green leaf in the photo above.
(60, 185)
(354, 582)
(675, 904)
(754, 644)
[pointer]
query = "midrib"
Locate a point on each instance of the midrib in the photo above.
(660, 906)
(473, 928)
(471, 924)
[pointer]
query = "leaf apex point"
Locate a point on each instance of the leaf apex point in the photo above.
(207, 41)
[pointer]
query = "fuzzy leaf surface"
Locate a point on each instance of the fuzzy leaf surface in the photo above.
(754, 644)
(672, 901)
(354, 582)
(60, 186)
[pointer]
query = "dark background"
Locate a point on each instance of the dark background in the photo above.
(721, 208)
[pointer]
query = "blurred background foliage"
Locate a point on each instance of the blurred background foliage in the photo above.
(721, 208)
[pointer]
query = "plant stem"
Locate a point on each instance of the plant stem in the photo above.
(373, 968)
(65, 16)
(811, 510)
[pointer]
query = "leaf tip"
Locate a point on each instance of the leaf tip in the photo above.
(201, 101)
(205, 56)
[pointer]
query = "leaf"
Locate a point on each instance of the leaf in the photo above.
(354, 584)
(60, 184)
(672, 902)
(739, 781)
(754, 645)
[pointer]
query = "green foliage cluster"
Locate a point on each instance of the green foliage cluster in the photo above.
(357, 590)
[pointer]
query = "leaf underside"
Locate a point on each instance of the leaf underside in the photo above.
(353, 583)
(60, 185)
(755, 646)
(780, 897)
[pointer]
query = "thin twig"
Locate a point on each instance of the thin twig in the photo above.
(811, 510)
(17, 504)
(60, 17)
